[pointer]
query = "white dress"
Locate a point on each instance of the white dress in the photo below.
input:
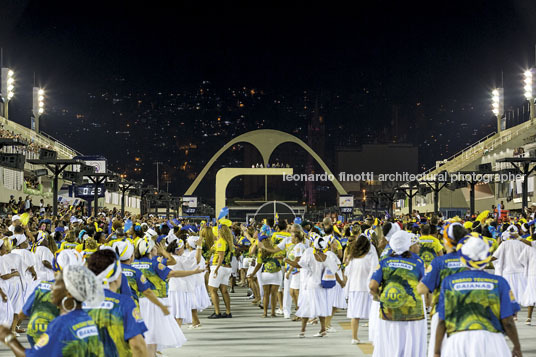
(41, 254)
(180, 292)
(17, 284)
(201, 299)
(6, 308)
(529, 296)
(509, 265)
(358, 272)
(313, 300)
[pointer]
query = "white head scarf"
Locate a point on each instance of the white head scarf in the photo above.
(394, 228)
(110, 274)
(145, 246)
(192, 241)
(21, 238)
(320, 243)
(83, 285)
(171, 237)
(67, 257)
(400, 242)
(124, 249)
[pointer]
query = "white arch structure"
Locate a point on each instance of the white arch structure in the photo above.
(266, 141)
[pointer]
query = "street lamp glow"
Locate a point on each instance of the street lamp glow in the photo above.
(41, 110)
(10, 73)
(41, 92)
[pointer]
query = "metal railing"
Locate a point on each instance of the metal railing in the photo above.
(488, 143)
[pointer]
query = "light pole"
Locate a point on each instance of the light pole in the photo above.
(497, 105)
(158, 163)
(38, 106)
(7, 87)
(529, 92)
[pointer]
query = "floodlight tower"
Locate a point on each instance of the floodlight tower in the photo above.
(529, 90)
(7, 87)
(38, 107)
(497, 104)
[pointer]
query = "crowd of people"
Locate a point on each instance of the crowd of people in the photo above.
(120, 286)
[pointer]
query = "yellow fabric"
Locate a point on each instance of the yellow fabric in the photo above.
(219, 246)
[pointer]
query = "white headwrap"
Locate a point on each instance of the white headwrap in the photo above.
(15, 218)
(110, 274)
(320, 243)
(180, 244)
(124, 249)
(394, 228)
(83, 285)
(145, 246)
(192, 241)
(67, 257)
(171, 237)
(21, 238)
(150, 234)
(400, 242)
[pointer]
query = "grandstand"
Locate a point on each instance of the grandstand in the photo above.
(24, 183)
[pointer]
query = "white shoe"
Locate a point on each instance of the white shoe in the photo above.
(355, 342)
(287, 317)
(279, 312)
(331, 330)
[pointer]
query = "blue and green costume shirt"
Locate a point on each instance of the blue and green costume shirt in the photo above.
(398, 278)
(156, 273)
(118, 320)
(71, 335)
(438, 270)
(475, 300)
(40, 310)
(137, 282)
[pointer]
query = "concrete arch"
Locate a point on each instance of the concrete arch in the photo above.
(266, 141)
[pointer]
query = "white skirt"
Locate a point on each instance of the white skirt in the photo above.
(475, 343)
(163, 331)
(401, 339)
(314, 303)
(16, 293)
(202, 300)
(529, 296)
(337, 297)
(180, 303)
(433, 328)
(518, 284)
(359, 305)
(374, 316)
(234, 266)
(295, 281)
(272, 278)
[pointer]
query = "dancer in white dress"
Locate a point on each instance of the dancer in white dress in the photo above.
(507, 263)
(180, 290)
(362, 262)
(201, 299)
(313, 297)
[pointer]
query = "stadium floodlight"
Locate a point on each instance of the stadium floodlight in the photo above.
(38, 106)
(7, 86)
(528, 81)
(497, 102)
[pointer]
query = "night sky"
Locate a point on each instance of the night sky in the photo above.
(418, 51)
(415, 53)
